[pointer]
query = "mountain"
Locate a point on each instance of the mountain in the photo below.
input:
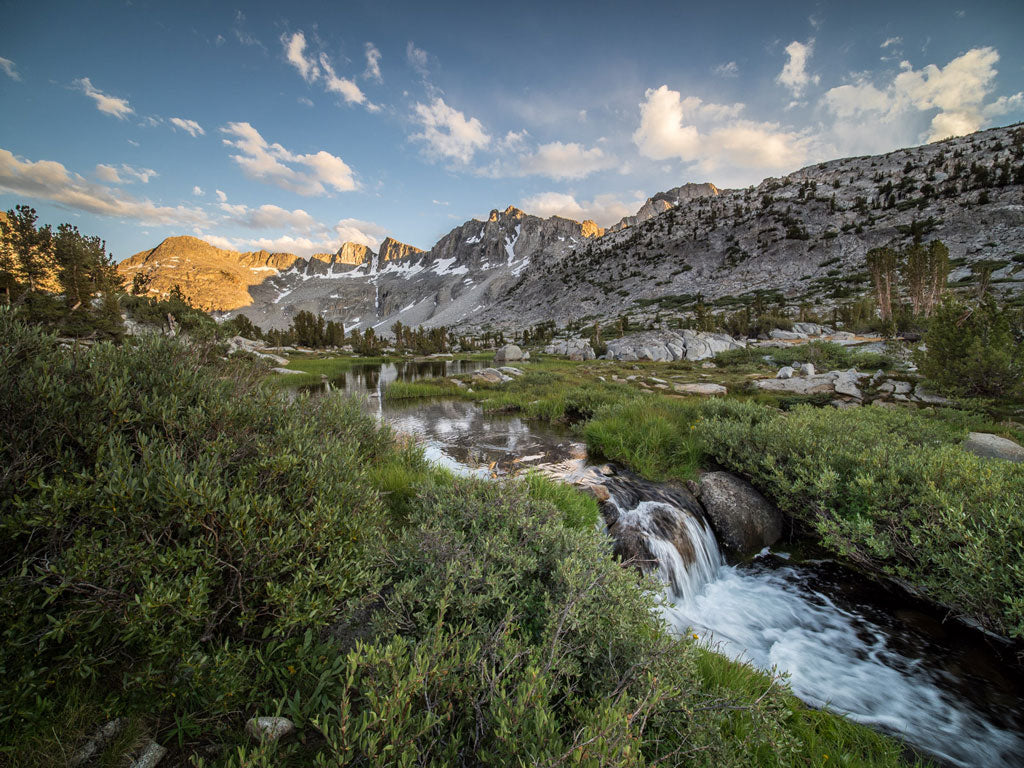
(801, 238)
(798, 239)
(664, 201)
(213, 278)
(467, 270)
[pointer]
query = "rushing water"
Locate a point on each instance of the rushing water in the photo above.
(867, 650)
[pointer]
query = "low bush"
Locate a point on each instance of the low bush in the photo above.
(185, 549)
(893, 491)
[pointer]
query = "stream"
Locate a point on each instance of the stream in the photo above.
(866, 649)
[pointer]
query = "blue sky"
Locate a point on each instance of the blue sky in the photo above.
(297, 126)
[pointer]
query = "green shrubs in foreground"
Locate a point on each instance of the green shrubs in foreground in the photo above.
(894, 491)
(185, 549)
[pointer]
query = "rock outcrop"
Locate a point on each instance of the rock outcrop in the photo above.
(574, 349)
(670, 345)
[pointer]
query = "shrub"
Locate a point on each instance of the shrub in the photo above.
(893, 491)
(971, 350)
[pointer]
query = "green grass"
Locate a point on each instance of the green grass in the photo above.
(411, 390)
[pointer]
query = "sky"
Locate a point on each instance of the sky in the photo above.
(298, 126)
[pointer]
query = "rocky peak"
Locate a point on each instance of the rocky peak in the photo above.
(392, 250)
(353, 254)
(509, 213)
(663, 201)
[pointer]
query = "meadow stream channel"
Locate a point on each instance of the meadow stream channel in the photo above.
(864, 648)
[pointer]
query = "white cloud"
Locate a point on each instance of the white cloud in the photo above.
(958, 91)
(669, 129)
(272, 217)
(729, 69)
(417, 58)
(794, 74)
(309, 174)
(221, 196)
(125, 174)
(295, 52)
(110, 105)
(447, 132)
(198, 191)
(305, 101)
(107, 173)
(49, 180)
(554, 160)
(344, 87)
(892, 41)
(604, 209)
(9, 68)
(372, 63)
(189, 126)
(566, 161)
(219, 242)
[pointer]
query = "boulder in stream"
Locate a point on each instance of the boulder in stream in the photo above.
(745, 521)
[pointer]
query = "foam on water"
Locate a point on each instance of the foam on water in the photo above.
(838, 659)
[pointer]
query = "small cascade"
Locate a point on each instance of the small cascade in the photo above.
(662, 531)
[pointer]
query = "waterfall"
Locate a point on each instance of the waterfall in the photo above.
(664, 532)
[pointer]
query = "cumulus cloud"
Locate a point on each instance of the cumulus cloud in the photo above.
(49, 180)
(9, 68)
(372, 71)
(794, 75)
(604, 209)
(447, 132)
(671, 127)
(295, 52)
(306, 174)
(124, 174)
(198, 191)
(189, 126)
(110, 105)
(958, 92)
(221, 196)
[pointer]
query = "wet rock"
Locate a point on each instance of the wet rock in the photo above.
(744, 520)
(510, 353)
(993, 447)
(705, 389)
(269, 728)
